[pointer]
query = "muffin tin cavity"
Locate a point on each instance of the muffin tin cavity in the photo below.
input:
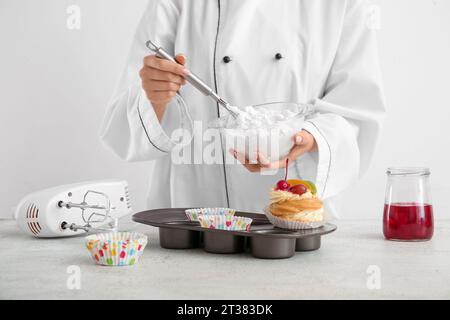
(308, 244)
(170, 238)
(272, 248)
(223, 243)
(263, 240)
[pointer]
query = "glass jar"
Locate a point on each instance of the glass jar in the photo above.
(408, 211)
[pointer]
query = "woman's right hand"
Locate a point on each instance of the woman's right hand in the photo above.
(161, 80)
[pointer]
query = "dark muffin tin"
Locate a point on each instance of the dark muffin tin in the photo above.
(263, 240)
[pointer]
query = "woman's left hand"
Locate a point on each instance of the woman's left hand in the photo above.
(303, 142)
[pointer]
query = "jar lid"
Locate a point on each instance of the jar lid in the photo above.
(408, 171)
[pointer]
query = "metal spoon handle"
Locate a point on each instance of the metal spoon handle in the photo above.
(191, 77)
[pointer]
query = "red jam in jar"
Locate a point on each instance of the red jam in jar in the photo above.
(408, 221)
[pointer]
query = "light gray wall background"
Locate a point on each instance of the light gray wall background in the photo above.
(55, 84)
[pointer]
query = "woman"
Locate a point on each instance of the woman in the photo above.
(253, 51)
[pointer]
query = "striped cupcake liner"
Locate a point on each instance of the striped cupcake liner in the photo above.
(291, 225)
(193, 214)
(225, 222)
(116, 248)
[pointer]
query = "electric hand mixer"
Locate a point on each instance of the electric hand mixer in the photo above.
(74, 209)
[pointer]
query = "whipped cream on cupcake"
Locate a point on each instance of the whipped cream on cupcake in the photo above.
(281, 196)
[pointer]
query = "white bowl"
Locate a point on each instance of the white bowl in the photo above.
(275, 142)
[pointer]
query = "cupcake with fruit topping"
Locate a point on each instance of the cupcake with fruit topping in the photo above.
(294, 205)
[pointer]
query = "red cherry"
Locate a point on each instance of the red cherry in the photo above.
(298, 189)
(282, 185)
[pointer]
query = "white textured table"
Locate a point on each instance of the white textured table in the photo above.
(37, 269)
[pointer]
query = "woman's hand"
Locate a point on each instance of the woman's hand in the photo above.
(161, 80)
(304, 142)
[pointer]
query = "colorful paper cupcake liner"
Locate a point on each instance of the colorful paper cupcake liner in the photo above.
(292, 225)
(116, 248)
(225, 222)
(193, 214)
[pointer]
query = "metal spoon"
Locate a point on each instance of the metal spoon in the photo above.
(192, 78)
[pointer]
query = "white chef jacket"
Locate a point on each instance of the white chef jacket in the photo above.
(328, 59)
